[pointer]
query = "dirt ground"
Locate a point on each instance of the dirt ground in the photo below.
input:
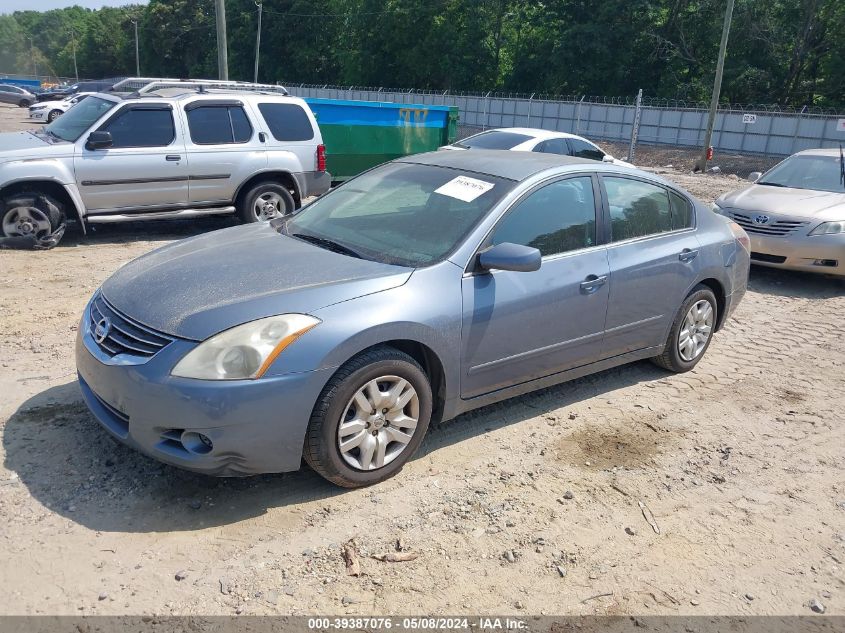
(541, 504)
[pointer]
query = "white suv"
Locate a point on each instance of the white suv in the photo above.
(173, 152)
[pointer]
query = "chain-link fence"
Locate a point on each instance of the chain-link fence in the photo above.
(746, 129)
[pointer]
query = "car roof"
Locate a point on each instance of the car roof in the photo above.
(500, 163)
(535, 132)
(829, 151)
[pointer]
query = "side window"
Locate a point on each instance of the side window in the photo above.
(141, 127)
(557, 218)
(287, 121)
(583, 149)
(682, 217)
(553, 146)
(636, 208)
(219, 125)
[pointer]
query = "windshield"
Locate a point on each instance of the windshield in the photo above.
(819, 173)
(73, 123)
(494, 140)
(405, 214)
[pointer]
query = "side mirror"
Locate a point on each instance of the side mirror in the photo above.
(99, 140)
(754, 176)
(508, 256)
(607, 158)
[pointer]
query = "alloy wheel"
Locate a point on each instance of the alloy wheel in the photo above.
(268, 206)
(25, 221)
(695, 330)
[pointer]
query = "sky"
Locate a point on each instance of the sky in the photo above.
(9, 6)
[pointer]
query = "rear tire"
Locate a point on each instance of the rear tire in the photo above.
(691, 332)
(265, 201)
(32, 214)
(375, 427)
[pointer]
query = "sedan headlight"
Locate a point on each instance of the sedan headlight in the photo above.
(245, 351)
(829, 228)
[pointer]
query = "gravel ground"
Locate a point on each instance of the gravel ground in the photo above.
(720, 491)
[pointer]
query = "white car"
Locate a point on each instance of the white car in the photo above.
(526, 139)
(47, 111)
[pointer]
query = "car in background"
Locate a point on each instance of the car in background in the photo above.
(60, 93)
(425, 287)
(794, 213)
(48, 111)
(16, 95)
(523, 139)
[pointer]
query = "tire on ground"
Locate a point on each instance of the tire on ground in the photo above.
(671, 358)
(246, 205)
(47, 209)
(321, 450)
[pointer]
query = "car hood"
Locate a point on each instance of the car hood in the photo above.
(20, 145)
(803, 203)
(198, 287)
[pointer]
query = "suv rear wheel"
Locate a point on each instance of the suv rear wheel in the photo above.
(32, 214)
(265, 201)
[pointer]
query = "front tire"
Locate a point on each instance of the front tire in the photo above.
(691, 333)
(32, 214)
(24, 103)
(370, 418)
(53, 115)
(265, 201)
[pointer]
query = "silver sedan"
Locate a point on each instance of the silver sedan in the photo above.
(795, 212)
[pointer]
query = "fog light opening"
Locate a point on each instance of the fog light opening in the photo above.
(197, 443)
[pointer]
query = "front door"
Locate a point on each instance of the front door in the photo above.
(518, 326)
(145, 168)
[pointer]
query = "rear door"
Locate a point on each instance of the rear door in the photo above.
(292, 142)
(223, 149)
(518, 326)
(145, 167)
(653, 256)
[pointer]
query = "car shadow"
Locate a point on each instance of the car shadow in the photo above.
(75, 469)
(144, 231)
(795, 284)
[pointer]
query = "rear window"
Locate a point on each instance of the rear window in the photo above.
(287, 121)
(494, 140)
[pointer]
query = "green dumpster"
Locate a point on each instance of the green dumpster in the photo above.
(362, 134)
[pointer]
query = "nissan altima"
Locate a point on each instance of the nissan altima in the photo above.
(421, 289)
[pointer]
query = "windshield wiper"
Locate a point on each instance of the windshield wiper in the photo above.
(331, 245)
(769, 183)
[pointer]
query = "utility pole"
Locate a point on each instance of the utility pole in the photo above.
(222, 54)
(32, 54)
(137, 56)
(73, 45)
(717, 85)
(260, 6)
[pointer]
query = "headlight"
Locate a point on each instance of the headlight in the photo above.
(245, 351)
(829, 228)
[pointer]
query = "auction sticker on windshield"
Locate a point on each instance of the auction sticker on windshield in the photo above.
(464, 188)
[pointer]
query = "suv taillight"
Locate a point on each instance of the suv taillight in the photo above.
(321, 158)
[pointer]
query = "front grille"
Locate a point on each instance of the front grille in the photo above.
(776, 228)
(124, 336)
(765, 257)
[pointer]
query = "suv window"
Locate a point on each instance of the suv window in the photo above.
(682, 217)
(219, 125)
(287, 121)
(636, 208)
(553, 146)
(583, 149)
(141, 127)
(556, 218)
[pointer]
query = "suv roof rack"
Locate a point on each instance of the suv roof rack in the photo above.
(142, 85)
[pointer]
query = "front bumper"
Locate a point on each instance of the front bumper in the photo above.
(254, 426)
(38, 115)
(816, 253)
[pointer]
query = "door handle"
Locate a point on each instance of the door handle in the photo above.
(687, 255)
(173, 157)
(593, 283)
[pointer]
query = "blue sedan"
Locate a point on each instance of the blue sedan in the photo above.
(421, 289)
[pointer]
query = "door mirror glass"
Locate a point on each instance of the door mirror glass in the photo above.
(99, 140)
(754, 176)
(509, 256)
